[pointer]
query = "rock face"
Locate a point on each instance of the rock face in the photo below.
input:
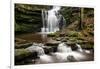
(21, 43)
(27, 18)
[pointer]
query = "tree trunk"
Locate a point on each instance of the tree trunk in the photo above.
(81, 18)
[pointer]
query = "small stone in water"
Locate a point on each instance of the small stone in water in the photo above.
(70, 58)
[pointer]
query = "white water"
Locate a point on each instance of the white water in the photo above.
(64, 54)
(50, 20)
(79, 48)
(52, 23)
(64, 48)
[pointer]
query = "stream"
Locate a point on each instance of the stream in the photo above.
(63, 53)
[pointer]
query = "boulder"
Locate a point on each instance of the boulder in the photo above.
(71, 58)
(21, 54)
(52, 42)
(37, 49)
(59, 39)
(62, 34)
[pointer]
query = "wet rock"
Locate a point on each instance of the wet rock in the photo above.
(51, 35)
(69, 43)
(52, 42)
(63, 40)
(81, 42)
(59, 39)
(38, 44)
(20, 41)
(71, 58)
(37, 49)
(62, 34)
(54, 49)
(72, 45)
(21, 54)
(23, 45)
(47, 50)
(72, 34)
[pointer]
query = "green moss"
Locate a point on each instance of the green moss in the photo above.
(21, 53)
(56, 34)
(17, 27)
(52, 35)
(72, 34)
(87, 46)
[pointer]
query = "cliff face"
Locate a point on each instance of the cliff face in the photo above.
(27, 18)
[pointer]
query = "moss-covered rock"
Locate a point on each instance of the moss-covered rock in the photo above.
(21, 54)
(72, 34)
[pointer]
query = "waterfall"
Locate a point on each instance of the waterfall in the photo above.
(52, 20)
(43, 29)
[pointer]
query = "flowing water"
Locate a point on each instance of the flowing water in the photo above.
(62, 47)
(79, 48)
(64, 54)
(51, 19)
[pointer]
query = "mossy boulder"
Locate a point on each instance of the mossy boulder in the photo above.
(21, 54)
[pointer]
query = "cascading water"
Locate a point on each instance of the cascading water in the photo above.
(44, 29)
(51, 20)
(65, 54)
(52, 23)
(79, 48)
(64, 48)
